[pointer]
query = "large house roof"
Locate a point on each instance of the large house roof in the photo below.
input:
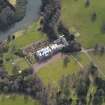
(43, 52)
(48, 51)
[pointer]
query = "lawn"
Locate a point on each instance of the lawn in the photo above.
(54, 71)
(18, 100)
(76, 16)
(99, 60)
(20, 62)
(10, 59)
(28, 36)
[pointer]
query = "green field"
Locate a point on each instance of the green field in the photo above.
(20, 62)
(54, 71)
(76, 16)
(17, 100)
(29, 36)
(99, 60)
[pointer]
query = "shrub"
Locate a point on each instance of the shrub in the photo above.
(1, 62)
(103, 27)
(19, 53)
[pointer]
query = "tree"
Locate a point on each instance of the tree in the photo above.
(2, 72)
(96, 48)
(72, 47)
(66, 61)
(65, 31)
(26, 98)
(13, 37)
(94, 16)
(1, 62)
(98, 97)
(102, 50)
(93, 70)
(5, 89)
(9, 39)
(51, 10)
(15, 69)
(103, 28)
(87, 3)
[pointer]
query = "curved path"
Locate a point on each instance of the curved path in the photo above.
(31, 15)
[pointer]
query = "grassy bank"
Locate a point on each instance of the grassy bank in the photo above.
(76, 16)
(54, 71)
(28, 36)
